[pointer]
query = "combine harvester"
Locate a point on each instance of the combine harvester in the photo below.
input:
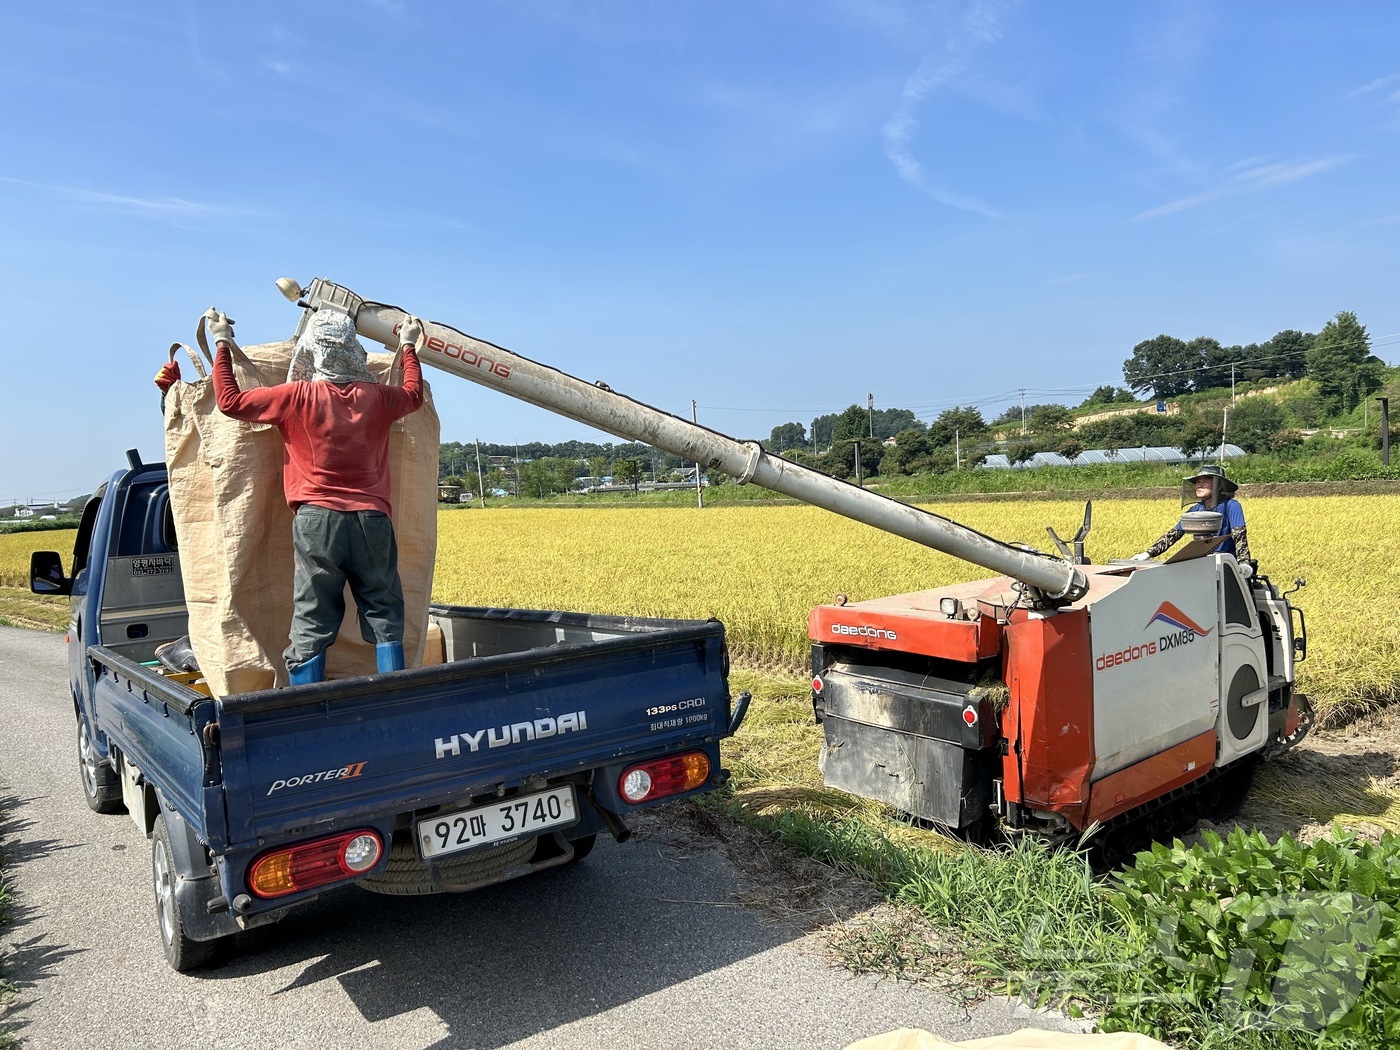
(1054, 698)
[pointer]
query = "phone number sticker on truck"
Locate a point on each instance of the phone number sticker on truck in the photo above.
(496, 822)
(152, 567)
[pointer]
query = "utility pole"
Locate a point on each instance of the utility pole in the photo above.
(870, 412)
(699, 495)
(480, 482)
(1023, 411)
(517, 471)
(957, 449)
(1232, 382)
(1385, 430)
(856, 442)
(1224, 429)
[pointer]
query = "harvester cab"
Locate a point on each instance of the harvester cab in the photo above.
(1053, 696)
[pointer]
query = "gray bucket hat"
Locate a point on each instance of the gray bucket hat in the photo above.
(329, 352)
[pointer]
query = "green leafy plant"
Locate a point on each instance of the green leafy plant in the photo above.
(1289, 943)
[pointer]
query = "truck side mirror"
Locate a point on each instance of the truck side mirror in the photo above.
(46, 574)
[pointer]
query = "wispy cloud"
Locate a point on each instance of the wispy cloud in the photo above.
(1376, 85)
(171, 207)
(1382, 94)
(277, 65)
(1247, 180)
(1159, 72)
(389, 7)
(980, 25)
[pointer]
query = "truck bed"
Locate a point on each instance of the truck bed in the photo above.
(523, 695)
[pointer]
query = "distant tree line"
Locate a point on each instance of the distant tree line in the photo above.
(540, 469)
(1337, 359)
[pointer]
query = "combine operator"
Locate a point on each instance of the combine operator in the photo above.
(1214, 491)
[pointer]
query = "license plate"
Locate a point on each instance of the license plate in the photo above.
(496, 822)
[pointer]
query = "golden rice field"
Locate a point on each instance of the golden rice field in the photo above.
(760, 568)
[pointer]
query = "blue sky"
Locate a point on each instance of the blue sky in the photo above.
(772, 208)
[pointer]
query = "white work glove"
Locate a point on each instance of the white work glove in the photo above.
(1246, 570)
(220, 326)
(410, 332)
(1144, 556)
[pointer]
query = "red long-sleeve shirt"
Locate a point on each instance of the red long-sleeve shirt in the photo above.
(336, 437)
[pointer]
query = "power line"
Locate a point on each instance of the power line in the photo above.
(922, 408)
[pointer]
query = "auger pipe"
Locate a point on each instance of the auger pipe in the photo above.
(600, 407)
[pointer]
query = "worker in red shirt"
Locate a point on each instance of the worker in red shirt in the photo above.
(334, 419)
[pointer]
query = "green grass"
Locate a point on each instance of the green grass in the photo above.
(1150, 950)
(20, 608)
(1038, 923)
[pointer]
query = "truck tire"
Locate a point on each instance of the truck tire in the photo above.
(406, 875)
(181, 952)
(101, 788)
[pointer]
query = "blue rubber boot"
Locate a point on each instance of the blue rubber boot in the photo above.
(389, 656)
(314, 670)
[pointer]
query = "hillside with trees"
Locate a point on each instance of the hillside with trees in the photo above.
(1300, 404)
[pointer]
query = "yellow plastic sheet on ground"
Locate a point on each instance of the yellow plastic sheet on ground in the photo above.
(1025, 1039)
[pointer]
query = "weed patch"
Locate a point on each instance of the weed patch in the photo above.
(7, 989)
(1236, 941)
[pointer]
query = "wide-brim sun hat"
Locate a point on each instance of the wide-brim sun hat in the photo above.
(1210, 470)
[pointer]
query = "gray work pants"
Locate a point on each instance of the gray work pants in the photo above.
(333, 548)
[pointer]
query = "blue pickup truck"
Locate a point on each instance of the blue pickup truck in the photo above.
(531, 733)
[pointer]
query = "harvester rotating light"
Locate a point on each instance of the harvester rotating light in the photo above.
(290, 289)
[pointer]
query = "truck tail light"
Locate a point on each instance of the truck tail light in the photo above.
(664, 776)
(315, 863)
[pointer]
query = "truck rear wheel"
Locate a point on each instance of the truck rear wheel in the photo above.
(181, 952)
(101, 788)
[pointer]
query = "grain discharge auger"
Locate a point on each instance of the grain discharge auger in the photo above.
(1054, 697)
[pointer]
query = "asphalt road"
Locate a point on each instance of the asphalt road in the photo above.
(641, 945)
